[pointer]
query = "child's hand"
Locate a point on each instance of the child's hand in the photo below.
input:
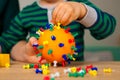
(31, 52)
(66, 12)
(25, 52)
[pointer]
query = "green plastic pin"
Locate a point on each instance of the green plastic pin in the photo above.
(40, 54)
(75, 34)
(73, 48)
(40, 47)
(50, 51)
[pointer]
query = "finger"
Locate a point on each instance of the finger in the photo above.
(68, 21)
(29, 46)
(55, 11)
(33, 40)
(65, 18)
(60, 15)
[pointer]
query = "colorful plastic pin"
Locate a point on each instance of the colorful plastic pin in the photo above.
(36, 66)
(45, 42)
(47, 78)
(63, 63)
(40, 47)
(27, 66)
(73, 48)
(55, 63)
(57, 74)
(39, 32)
(46, 71)
(67, 70)
(61, 44)
(7, 65)
(71, 57)
(50, 51)
(73, 74)
(93, 72)
(73, 69)
(107, 70)
(48, 26)
(41, 29)
(67, 30)
(53, 37)
(44, 67)
(35, 45)
(39, 55)
(94, 68)
(75, 34)
(64, 57)
(38, 71)
(70, 40)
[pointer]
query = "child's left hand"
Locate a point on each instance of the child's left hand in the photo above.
(66, 12)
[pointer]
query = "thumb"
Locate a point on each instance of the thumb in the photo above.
(29, 46)
(32, 41)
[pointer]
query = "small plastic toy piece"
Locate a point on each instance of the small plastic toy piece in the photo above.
(36, 66)
(71, 57)
(73, 69)
(55, 63)
(27, 66)
(38, 71)
(73, 74)
(46, 78)
(4, 60)
(35, 45)
(50, 51)
(93, 72)
(107, 70)
(46, 71)
(67, 70)
(7, 65)
(67, 30)
(88, 68)
(94, 68)
(53, 37)
(82, 71)
(44, 66)
(78, 69)
(52, 78)
(63, 63)
(57, 74)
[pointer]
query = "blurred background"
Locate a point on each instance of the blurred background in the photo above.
(99, 50)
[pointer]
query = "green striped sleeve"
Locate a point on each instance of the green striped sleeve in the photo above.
(104, 25)
(15, 33)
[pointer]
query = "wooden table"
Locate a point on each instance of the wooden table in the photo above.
(16, 72)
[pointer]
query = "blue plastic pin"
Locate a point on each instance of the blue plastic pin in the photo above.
(94, 68)
(35, 45)
(48, 26)
(53, 37)
(61, 44)
(38, 71)
(64, 57)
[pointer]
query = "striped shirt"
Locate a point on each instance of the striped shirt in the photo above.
(33, 17)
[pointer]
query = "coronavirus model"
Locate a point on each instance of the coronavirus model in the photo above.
(56, 44)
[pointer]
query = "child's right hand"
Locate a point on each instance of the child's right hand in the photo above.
(25, 52)
(66, 12)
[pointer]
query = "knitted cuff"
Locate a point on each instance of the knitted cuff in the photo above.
(90, 17)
